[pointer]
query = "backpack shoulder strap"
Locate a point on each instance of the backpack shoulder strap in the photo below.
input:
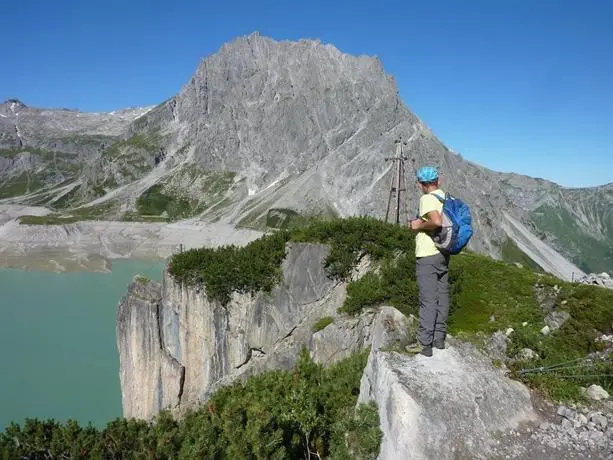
(441, 199)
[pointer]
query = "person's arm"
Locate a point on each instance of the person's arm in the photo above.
(430, 217)
(434, 221)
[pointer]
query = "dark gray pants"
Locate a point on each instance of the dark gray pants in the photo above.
(433, 282)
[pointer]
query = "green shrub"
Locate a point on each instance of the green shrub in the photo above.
(67, 199)
(352, 238)
(393, 285)
(142, 280)
(308, 411)
(368, 291)
(483, 287)
(257, 266)
(288, 219)
(511, 253)
(95, 212)
(26, 182)
(149, 142)
(227, 269)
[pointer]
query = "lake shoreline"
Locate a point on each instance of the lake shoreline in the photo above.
(93, 245)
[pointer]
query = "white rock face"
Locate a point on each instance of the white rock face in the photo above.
(602, 279)
(526, 354)
(596, 392)
(448, 406)
(145, 357)
(556, 319)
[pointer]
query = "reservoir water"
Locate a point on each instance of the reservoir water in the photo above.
(58, 342)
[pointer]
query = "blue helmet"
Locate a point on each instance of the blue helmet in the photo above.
(427, 174)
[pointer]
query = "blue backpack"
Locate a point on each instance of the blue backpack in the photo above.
(457, 225)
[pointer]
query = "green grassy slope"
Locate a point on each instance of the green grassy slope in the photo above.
(582, 228)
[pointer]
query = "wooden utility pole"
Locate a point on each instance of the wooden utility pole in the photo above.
(398, 183)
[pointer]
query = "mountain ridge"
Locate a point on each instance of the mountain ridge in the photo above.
(302, 126)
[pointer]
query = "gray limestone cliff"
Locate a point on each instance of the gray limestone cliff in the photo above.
(306, 127)
(145, 354)
(176, 346)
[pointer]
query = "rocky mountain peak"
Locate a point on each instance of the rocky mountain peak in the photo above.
(273, 109)
(251, 66)
(11, 107)
(15, 103)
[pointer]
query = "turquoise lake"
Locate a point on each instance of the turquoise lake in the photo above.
(58, 342)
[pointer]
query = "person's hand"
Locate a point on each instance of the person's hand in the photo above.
(415, 223)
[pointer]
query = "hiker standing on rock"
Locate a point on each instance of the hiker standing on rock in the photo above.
(432, 266)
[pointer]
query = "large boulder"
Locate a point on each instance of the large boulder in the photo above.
(602, 279)
(449, 406)
(556, 319)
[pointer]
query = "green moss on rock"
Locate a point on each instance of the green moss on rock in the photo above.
(322, 323)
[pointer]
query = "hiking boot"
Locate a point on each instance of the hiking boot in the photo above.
(417, 347)
(439, 344)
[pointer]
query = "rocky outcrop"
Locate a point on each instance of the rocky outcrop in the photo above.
(556, 319)
(596, 392)
(177, 346)
(579, 430)
(253, 333)
(146, 355)
(449, 406)
(602, 280)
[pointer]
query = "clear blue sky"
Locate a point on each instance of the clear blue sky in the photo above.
(524, 86)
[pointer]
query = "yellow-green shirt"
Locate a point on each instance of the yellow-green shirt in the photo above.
(424, 246)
